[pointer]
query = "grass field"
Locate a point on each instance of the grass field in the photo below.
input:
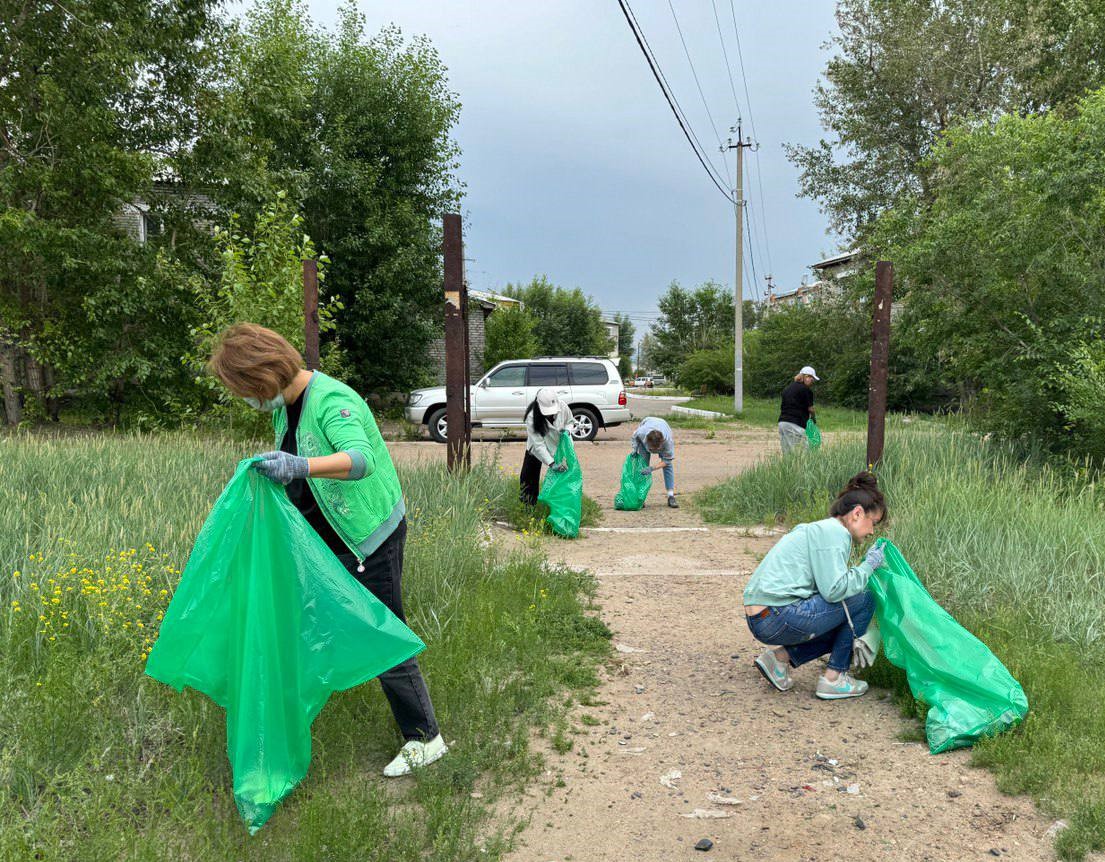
(764, 413)
(1016, 551)
(99, 762)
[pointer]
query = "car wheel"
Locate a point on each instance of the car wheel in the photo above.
(587, 426)
(438, 425)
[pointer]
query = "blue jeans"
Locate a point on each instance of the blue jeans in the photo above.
(813, 627)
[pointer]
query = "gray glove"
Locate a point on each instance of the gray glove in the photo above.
(282, 467)
(562, 467)
(646, 471)
(874, 557)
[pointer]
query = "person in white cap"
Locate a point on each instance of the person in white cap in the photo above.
(547, 417)
(797, 410)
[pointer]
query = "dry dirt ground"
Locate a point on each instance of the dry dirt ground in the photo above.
(686, 740)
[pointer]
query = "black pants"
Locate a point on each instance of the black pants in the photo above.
(529, 481)
(403, 685)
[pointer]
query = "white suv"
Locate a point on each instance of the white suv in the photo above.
(590, 385)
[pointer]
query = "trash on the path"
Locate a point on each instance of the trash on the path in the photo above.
(638, 689)
(718, 799)
(859, 823)
(636, 750)
(668, 779)
(707, 814)
(954, 794)
(969, 692)
(704, 845)
(1055, 828)
(624, 648)
(852, 790)
(648, 716)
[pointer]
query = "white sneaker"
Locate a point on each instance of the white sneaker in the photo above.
(416, 754)
(775, 672)
(843, 686)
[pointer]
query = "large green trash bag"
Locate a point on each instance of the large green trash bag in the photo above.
(563, 492)
(635, 487)
(969, 692)
(267, 623)
(813, 435)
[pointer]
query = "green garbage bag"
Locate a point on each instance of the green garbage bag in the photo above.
(969, 692)
(267, 623)
(563, 492)
(635, 487)
(813, 435)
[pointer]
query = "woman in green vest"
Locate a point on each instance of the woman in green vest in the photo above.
(337, 471)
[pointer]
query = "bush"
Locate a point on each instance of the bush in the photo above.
(709, 372)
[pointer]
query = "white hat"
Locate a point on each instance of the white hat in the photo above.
(547, 402)
(808, 369)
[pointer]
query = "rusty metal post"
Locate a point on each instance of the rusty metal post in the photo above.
(457, 413)
(310, 312)
(880, 358)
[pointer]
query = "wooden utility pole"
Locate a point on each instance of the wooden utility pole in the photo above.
(880, 360)
(457, 376)
(310, 313)
(738, 297)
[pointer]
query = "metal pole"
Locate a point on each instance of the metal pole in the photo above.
(880, 359)
(456, 342)
(738, 303)
(310, 313)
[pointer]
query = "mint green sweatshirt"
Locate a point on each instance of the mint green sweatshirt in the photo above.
(811, 558)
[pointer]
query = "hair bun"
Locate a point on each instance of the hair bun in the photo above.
(862, 481)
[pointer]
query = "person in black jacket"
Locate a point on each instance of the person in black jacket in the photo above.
(797, 409)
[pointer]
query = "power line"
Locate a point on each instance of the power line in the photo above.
(725, 54)
(752, 122)
(698, 84)
(670, 97)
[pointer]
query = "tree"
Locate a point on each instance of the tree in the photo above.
(568, 323)
(510, 334)
(901, 77)
(95, 97)
(1004, 273)
(690, 320)
(356, 129)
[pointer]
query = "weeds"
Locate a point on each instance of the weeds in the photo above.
(99, 762)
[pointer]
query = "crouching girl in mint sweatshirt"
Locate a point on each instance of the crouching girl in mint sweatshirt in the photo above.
(795, 599)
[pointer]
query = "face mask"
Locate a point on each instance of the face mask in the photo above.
(266, 406)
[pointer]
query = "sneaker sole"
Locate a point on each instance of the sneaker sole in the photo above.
(840, 696)
(767, 675)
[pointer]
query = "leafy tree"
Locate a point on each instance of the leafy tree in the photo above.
(568, 322)
(356, 129)
(510, 334)
(690, 320)
(905, 71)
(1004, 273)
(708, 371)
(94, 97)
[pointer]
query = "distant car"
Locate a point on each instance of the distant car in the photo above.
(592, 387)
(658, 379)
(642, 382)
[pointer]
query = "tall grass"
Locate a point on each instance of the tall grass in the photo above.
(98, 761)
(1016, 551)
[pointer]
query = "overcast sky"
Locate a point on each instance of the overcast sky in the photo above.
(574, 165)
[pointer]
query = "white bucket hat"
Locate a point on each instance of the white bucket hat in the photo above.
(808, 369)
(547, 402)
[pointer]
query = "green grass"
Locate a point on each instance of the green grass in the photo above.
(533, 519)
(764, 413)
(99, 762)
(1015, 549)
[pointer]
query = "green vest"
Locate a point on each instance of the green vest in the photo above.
(334, 418)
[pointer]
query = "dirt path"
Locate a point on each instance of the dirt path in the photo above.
(815, 781)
